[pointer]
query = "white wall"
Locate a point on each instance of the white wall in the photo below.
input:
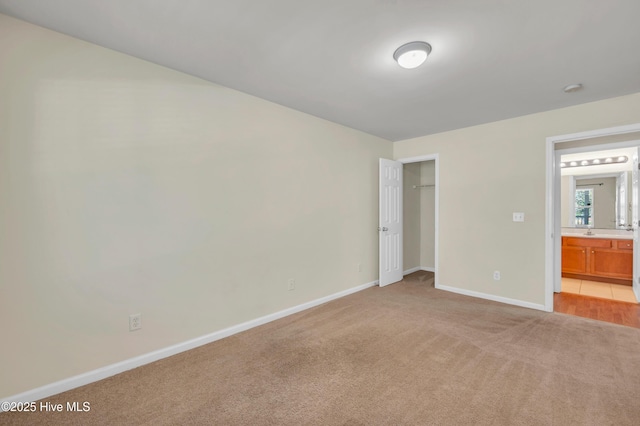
(499, 168)
(126, 187)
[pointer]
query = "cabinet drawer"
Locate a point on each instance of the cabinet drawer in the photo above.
(586, 242)
(624, 244)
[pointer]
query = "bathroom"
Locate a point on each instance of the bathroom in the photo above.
(597, 213)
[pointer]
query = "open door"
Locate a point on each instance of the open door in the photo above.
(635, 217)
(390, 222)
(622, 206)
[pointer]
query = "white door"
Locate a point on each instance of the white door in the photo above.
(390, 222)
(635, 217)
(621, 200)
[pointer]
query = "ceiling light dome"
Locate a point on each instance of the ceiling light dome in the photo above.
(572, 88)
(412, 55)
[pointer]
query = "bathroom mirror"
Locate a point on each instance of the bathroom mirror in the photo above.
(599, 201)
(596, 188)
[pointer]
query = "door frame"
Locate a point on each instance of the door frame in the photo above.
(552, 214)
(436, 159)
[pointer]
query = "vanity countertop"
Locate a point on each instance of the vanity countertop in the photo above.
(627, 236)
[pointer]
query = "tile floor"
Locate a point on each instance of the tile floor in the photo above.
(622, 293)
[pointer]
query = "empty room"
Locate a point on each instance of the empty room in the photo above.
(368, 212)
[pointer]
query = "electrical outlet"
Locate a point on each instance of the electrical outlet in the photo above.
(135, 322)
(518, 217)
(359, 267)
(496, 275)
(291, 284)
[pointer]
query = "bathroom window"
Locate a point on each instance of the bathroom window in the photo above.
(584, 207)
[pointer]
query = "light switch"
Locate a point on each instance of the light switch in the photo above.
(518, 217)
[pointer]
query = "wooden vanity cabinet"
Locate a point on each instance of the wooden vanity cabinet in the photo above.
(574, 260)
(598, 259)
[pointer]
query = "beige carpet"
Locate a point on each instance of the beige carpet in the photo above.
(405, 354)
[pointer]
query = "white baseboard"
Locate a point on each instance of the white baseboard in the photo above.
(495, 298)
(119, 367)
(419, 268)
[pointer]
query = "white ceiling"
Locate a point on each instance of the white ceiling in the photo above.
(491, 59)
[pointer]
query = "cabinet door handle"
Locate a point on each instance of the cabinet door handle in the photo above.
(592, 251)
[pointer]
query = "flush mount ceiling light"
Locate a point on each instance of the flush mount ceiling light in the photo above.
(596, 161)
(572, 88)
(412, 55)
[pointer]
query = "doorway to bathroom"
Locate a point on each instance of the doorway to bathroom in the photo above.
(581, 144)
(596, 203)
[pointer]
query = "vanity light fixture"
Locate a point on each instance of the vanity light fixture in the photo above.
(412, 55)
(596, 161)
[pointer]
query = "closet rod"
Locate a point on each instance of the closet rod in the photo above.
(421, 186)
